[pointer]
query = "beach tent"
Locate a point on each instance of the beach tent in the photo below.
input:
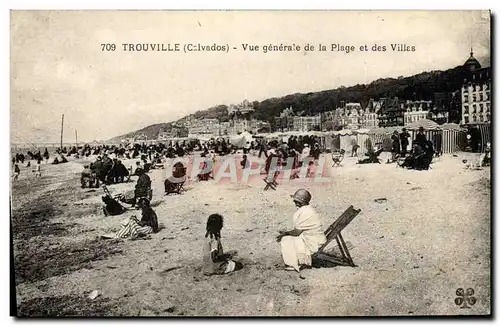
(453, 137)
(203, 138)
(332, 141)
(273, 135)
(425, 123)
(483, 132)
(375, 135)
(383, 136)
(432, 132)
(242, 140)
(345, 137)
(451, 126)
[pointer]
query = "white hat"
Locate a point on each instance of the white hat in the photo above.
(306, 145)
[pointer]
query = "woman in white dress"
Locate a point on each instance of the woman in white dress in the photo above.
(306, 237)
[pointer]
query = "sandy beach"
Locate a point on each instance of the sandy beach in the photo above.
(413, 250)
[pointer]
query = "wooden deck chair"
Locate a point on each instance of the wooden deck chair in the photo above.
(337, 158)
(334, 232)
(273, 183)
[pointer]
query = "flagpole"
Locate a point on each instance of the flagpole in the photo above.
(62, 128)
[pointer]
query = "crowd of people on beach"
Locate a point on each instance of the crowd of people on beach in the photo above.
(298, 245)
(421, 154)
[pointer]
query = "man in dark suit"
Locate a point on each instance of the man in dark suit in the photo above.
(404, 142)
(420, 139)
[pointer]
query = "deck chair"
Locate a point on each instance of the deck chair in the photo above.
(175, 183)
(129, 174)
(337, 158)
(273, 183)
(394, 158)
(106, 191)
(334, 232)
(172, 187)
(205, 176)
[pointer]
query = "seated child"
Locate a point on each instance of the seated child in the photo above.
(134, 228)
(214, 260)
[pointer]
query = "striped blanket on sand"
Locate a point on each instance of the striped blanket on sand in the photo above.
(133, 230)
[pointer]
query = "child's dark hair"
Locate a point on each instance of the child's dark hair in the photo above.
(214, 225)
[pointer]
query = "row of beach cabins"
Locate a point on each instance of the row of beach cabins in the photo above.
(447, 138)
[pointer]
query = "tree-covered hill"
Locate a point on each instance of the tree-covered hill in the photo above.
(417, 87)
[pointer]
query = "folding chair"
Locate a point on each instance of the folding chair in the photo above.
(180, 186)
(273, 183)
(106, 191)
(174, 187)
(334, 232)
(129, 174)
(393, 159)
(337, 158)
(205, 176)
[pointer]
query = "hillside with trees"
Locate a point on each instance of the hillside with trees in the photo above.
(417, 87)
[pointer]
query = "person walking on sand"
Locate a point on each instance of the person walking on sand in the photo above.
(17, 171)
(46, 155)
(214, 259)
(395, 150)
(38, 169)
(299, 244)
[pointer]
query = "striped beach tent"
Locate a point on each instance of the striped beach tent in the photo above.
(432, 132)
(345, 136)
(362, 136)
(382, 136)
(425, 123)
(333, 141)
(453, 138)
(485, 131)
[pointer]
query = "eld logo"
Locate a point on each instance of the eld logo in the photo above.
(465, 298)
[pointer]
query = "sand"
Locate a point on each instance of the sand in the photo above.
(429, 237)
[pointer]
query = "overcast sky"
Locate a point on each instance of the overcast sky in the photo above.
(57, 66)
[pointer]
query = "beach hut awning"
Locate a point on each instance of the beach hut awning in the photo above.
(344, 132)
(363, 131)
(241, 140)
(451, 126)
(318, 133)
(425, 123)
